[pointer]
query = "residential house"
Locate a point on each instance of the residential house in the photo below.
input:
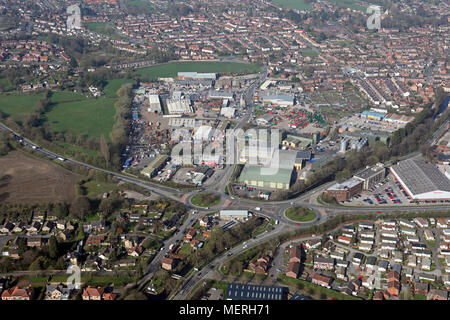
(93, 293)
(18, 293)
(422, 288)
(34, 241)
(435, 294)
(58, 292)
(168, 263)
(293, 269)
(34, 227)
(7, 227)
(48, 226)
(383, 265)
(95, 240)
(321, 280)
(19, 227)
(323, 263)
(295, 254)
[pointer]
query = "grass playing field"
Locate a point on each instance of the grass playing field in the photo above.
(77, 113)
(294, 4)
(171, 69)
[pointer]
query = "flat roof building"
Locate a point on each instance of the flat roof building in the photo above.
(421, 180)
(196, 76)
(281, 100)
(252, 175)
(154, 103)
(345, 190)
(371, 176)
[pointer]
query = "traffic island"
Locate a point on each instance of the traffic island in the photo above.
(300, 214)
(205, 200)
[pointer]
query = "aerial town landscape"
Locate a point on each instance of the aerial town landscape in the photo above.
(224, 150)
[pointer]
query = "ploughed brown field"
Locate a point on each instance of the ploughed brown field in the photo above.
(24, 179)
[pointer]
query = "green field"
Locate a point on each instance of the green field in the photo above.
(101, 27)
(95, 188)
(309, 53)
(300, 214)
(110, 90)
(352, 4)
(294, 4)
(171, 69)
(205, 200)
(18, 106)
(82, 115)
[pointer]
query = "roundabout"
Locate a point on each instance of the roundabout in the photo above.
(300, 214)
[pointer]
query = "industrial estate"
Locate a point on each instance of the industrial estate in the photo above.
(224, 150)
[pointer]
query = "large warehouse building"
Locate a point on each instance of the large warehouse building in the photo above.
(422, 181)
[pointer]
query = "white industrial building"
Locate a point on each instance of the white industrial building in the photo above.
(154, 103)
(421, 180)
(179, 106)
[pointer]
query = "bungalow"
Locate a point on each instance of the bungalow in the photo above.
(337, 255)
(345, 240)
(48, 226)
(35, 227)
(427, 277)
(422, 288)
(388, 240)
(371, 262)
(321, 280)
(426, 263)
(341, 273)
(388, 246)
(412, 261)
(383, 265)
(398, 257)
(429, 236)
(313, 243)
(442, 222)
(19, 227)
(342, 263)
(7, 227)
(409, 273)
(412, 239)
(384, 254)
(34, 241)
(437, 295)
(446, 279)
(408, 231)
(367, 234)
(358, 258)
(421, 222)
(407, 224)
(365, 226)
(365, 247)
(61, 225)
(367, 241)
(389, 234)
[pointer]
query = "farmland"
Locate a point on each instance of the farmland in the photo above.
(110, 90)
(68, 111)
(171, 69)
(31, 180)
(75, 112)
(18, 107)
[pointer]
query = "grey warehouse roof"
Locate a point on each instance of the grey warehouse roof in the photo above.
(421, 177)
